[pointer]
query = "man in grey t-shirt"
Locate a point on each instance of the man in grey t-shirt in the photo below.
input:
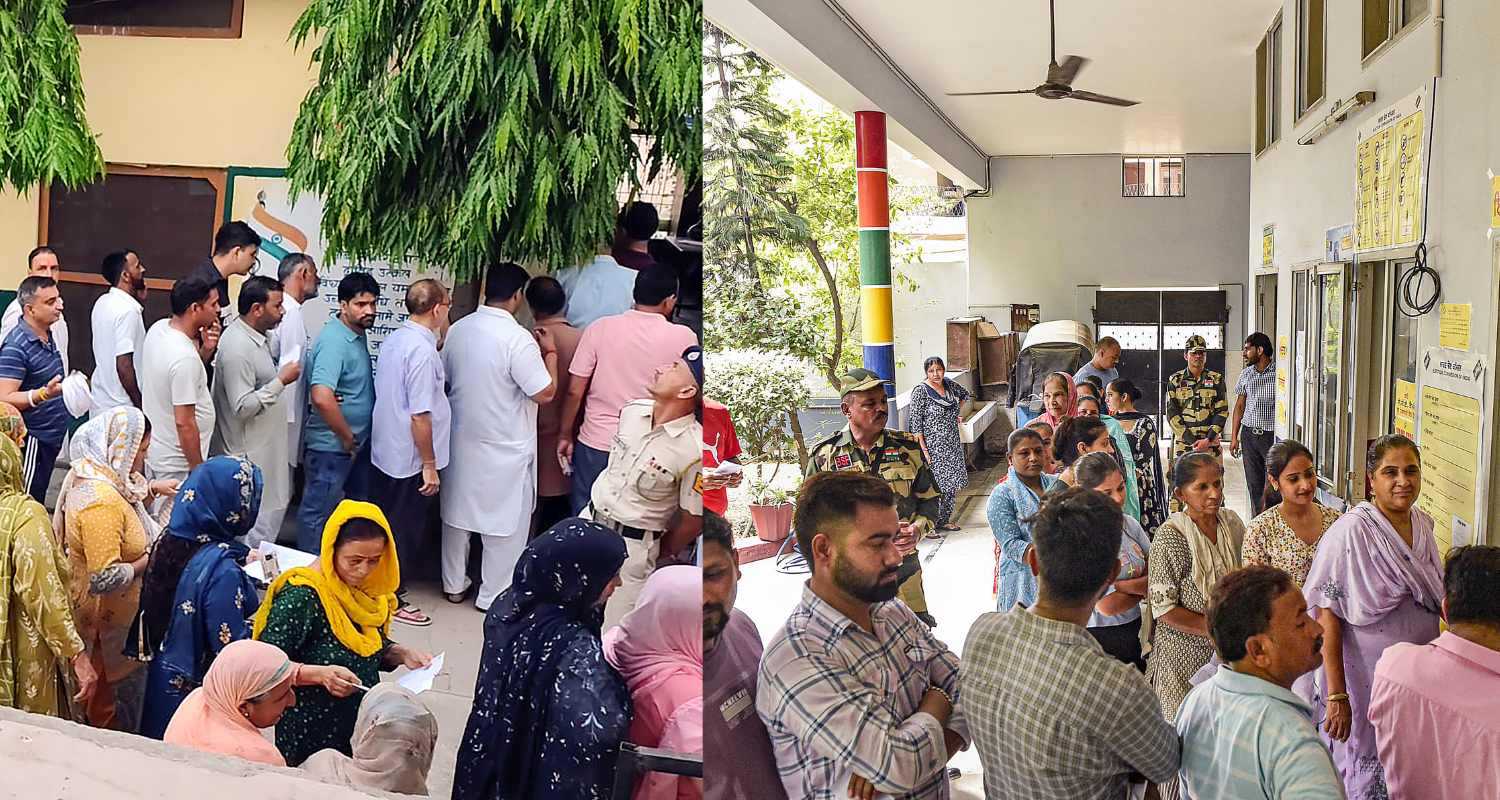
(1106, 356)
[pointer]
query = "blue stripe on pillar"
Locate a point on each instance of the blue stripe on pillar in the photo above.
(881, 360)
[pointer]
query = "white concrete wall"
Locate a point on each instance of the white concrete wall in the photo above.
(42, 757)
(1053, 224)
(1304, 190)
(921, 326)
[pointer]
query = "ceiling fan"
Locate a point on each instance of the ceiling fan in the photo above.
(1059, 83)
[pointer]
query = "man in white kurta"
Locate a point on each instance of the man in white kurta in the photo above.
(250, 399)
(42, 261)
(498, 372)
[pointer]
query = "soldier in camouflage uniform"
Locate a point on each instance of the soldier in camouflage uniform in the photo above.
(1197, 403)
(865, 445)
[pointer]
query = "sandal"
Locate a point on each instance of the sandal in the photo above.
(411, 615)
(455, 599)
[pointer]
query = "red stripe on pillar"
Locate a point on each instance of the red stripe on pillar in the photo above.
(874, 199)
(869, 139)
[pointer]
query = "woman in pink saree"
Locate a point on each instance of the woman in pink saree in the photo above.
(1377, 579)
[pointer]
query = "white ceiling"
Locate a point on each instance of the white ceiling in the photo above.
(1190, 63)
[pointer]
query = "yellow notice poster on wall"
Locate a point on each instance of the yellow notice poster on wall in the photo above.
(1388, 176)
(1495, 202)
(1267, 245)
(1283, 368)
(1450, 461)
(1406, 409)
(1453, 431)
(1453, 325)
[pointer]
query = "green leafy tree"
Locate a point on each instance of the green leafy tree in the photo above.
(460, 133)
(763, 391)
(44, 133)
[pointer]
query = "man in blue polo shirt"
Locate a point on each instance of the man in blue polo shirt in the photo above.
(341, 388)
(31, 372)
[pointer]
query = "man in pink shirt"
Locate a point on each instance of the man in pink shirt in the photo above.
(1436, 707)
(615, 362)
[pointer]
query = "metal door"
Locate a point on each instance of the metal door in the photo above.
(1134, 319)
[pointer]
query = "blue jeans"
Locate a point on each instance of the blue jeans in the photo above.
(330, 478)
(588, 465)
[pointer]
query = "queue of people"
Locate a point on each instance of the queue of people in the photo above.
(1300, 660)
(133, 606)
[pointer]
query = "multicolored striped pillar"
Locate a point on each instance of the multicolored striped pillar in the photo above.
(871, 176)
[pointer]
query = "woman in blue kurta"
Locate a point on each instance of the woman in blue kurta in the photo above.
(549, 711)
(196, 596)
(1011, 504)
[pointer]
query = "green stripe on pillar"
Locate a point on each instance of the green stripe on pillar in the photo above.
(875, 258)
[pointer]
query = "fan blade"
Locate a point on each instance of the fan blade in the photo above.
(984, 94)
(1101, 98)
(1066, 72)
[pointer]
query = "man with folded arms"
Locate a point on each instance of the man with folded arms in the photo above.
(1053, 715)
(1436, 707)
(1244, 733)
(857, 694)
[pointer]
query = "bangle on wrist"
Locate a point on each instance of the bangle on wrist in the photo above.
(1338, 697)
(944, 692)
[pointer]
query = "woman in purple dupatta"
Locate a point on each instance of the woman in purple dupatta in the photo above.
(1377, 579)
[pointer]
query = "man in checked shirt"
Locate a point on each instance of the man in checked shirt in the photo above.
(856, 693)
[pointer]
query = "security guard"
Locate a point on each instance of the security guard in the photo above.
(651, 493)
(1197, 404)
(866, 446)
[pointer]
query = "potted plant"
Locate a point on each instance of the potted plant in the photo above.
(770, 511)
(761, 389)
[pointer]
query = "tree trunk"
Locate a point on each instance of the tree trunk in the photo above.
(797, 437)
(831, 365)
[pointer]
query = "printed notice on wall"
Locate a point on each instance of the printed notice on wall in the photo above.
(1453, 329)
(1268, 245)
(1406, 409)
(1495, 202)
(1388, 176)
(1283, 369)
(1452, 433)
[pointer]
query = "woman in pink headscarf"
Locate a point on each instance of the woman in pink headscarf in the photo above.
(1059, 399)
(247, 688)
(658, 650)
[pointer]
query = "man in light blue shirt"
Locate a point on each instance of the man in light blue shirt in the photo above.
(341, 393)
(1244, 733)
(410, 429)
(599, 289)
(1103, 365)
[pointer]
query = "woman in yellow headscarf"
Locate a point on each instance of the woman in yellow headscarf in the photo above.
(337, 611)
(38, 635)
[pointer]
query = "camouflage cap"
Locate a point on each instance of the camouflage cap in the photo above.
(859, 380)
(1196, 343)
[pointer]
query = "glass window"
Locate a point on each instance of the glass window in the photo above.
(1310, 16)
(1299, 356)
(1152, 177)
(1329, 371)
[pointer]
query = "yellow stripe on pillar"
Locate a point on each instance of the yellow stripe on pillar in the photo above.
(875, 315)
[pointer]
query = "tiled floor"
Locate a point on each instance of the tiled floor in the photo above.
(958, 574)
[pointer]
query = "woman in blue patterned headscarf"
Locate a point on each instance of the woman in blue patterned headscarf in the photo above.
(196, 597)
(549, 711)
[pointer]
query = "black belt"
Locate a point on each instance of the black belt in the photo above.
(628, 531)
(1257, 431)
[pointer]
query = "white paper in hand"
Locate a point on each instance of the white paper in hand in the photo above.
(293, 356)
(420, 680)
(286, 558)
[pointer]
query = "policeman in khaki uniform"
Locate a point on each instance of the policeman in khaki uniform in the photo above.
(865, 445)
(651, 491)
(1197, 403)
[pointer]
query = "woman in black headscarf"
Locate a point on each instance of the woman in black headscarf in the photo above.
(549, 711)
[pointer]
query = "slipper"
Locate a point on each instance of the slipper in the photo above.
(411, 615)
(950, 528)
(454, 598)
(937, 533)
